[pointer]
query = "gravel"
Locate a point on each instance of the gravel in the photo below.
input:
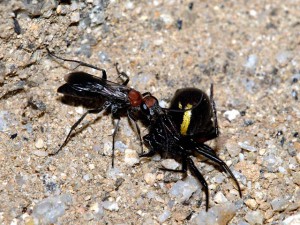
(162, 46)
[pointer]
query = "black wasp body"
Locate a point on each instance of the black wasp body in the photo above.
(180, 131)
(116, 97)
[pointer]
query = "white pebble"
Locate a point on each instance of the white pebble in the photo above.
(220, 214)
(231, 114)
(251, 62)
(292, 220)
(220, 198)
(245, 145)
(79, 110)
(279, 204)
(39, 143)
(150, 178)
(182, 190)
(131, 157)
(75, 17)
(284, 57)
(254, 217)
(111, 206)
(170, 164)
(251, 203)
(164, 216)
(40, 153)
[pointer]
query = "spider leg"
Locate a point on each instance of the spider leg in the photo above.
(213, 106)
(200, 177)
(105, 105)
(131, 117)
(206, 151)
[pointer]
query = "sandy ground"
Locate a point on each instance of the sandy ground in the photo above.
(249, 50)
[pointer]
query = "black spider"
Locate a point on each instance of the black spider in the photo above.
(180, 131)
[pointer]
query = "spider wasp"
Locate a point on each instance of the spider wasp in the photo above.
(116, 98)
(181, 130)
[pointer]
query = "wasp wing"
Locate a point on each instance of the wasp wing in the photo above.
(84, 85)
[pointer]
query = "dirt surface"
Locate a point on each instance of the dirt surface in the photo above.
(249, 50)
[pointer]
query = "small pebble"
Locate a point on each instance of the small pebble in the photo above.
(245, 145)
(220, 214)
(232, 148)
(251, 63)
(284, 57)
(268, 214)
(107, 148)
(86, 177)
(150, 178)
(156, 158)
(251, 203)
(254, 217)
(103, 56)
(220, 198)
(39, 143)
(231, 114)
(111, 206)
(167, 19)
(272, 162)
(40, 153)
(170, 164)
(91, 166)
(129, 5)
(182, 190)
(164, 216)
(79, 110)
(298, 157)
(279, 204)
(292, 220)
(75, 17)
(131, 157)
(48, 210)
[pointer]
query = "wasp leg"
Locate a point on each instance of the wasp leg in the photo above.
(200, 177)
(104, 76)
(148, 141)
(104, 106)
(206, 151)
(122, 74)
(113, 143)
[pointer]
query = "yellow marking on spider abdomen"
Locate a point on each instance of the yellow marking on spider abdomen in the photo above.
(186, 119)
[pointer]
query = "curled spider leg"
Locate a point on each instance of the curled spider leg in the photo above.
(202, 149)
(200, 177)
(104, 76)
(105, 105)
